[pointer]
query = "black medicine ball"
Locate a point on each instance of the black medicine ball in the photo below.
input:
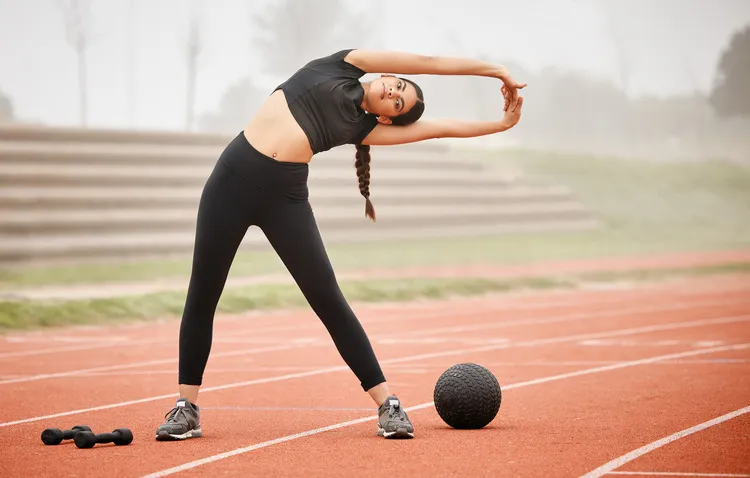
(467, 396)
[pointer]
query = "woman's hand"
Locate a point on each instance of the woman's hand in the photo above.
(512, 115)
(509, 89)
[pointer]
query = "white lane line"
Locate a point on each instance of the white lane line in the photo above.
(394, 369)
(289, 409)
(376, 338)
(69, 339)
(579, 316)
(104, 343)
(452, 309)
(530, 343)
(234, 353)
(674, 473)
(573, 338)
(618, 462)
(316, 431)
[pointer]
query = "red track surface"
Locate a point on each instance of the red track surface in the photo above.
(578, 391)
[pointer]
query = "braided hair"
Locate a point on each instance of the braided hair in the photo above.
(362, 156)
(362, 163)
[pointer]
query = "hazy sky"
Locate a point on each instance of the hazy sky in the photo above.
(672, 46)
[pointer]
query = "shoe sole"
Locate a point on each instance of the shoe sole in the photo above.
(400, 433)
(165, 436)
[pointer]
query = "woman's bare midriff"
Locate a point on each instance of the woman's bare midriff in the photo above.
(274, 132)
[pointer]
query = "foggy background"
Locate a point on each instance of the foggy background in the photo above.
(614, 76)
(633, 143)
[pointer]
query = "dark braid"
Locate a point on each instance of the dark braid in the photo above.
(362, 163)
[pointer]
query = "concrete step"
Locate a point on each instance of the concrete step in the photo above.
(61, 134)
(96, 198)
(24, 133)
(54, 154)
(76, 248)
(92, 221)
(35, 174)
(78, 194)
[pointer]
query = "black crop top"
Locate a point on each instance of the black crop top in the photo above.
(325, 97)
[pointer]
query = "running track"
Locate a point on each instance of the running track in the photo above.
(646, 381)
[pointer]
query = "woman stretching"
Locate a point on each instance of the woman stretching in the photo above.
(261, 179)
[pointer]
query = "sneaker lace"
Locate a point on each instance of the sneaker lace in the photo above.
(395, 411)
(174, 413)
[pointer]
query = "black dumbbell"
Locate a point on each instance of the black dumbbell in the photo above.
(55, 436)
(121, 436)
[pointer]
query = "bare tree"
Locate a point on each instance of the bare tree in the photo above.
(618, 42)
(194, 47)
(6, 108)
(76, 14)
(730, 94)
(130, 78)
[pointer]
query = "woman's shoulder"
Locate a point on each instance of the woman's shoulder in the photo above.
(336, 63)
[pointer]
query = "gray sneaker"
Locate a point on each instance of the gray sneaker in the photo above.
(183, 422)
(393, 421)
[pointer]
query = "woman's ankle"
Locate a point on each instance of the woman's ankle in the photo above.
(189, 392)
(379, 393)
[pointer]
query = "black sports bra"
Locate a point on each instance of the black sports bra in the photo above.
(325, 97)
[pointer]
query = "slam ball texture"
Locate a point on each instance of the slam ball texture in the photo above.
(467, 396)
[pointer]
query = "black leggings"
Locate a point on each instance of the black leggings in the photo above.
(248, 188)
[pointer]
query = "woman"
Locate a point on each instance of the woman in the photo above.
(261, 179)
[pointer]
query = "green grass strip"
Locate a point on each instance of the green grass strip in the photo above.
(25, 315)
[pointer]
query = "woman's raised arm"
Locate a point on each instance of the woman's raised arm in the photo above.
(422, 130)
(402, 63)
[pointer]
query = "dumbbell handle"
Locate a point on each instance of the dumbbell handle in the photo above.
(108, 437)
(68, 434)
(121, 436)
